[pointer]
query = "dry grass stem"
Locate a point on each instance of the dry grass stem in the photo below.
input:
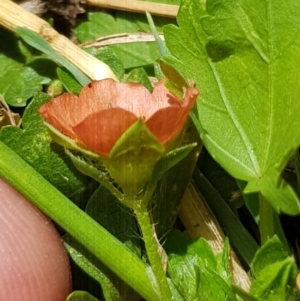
(200, 221)
(158, 9)
(122, 38)
(13, 15)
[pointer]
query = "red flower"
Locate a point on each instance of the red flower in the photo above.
(105, 109)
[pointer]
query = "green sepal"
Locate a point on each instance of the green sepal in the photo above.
(133, 158)
(175, 82)
(67, 142)
(94, 169)
(171, 159)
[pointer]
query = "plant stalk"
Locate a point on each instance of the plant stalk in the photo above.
(266, 219)
(77, 223)
(141, 212)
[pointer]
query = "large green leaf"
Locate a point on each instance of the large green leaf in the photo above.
(244, 56)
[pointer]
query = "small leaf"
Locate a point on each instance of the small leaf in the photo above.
(271, 252)
(213, 287)
(107, 56)
(140, 76)
(276, 282)
(194, 269)
(68, 80)
(275, 272)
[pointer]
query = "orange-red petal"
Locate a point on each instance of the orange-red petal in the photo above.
(59, 113)
(167, 122)
(107, 94)
(101, 130)
(105, 109)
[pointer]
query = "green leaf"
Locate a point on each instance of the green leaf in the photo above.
(33, 144)
(171, 187)
(36, 41)
(107, 56)
(223, 262)
(133, 55)
(18, 81)
(274, 282)
(172, 158)
(140, 76)
(275, 272)
(133, 157)
(195, 269)
(244, 57)
(55, 88)
(213, 287)
(68, 80)
(271, 252)
(81, 296)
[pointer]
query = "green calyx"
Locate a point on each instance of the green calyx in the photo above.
(133, 157)
(135, 164)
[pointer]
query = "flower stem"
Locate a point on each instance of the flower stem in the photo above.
(143, 218)
(266, 219)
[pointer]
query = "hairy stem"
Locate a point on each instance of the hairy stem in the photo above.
(152, 248)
